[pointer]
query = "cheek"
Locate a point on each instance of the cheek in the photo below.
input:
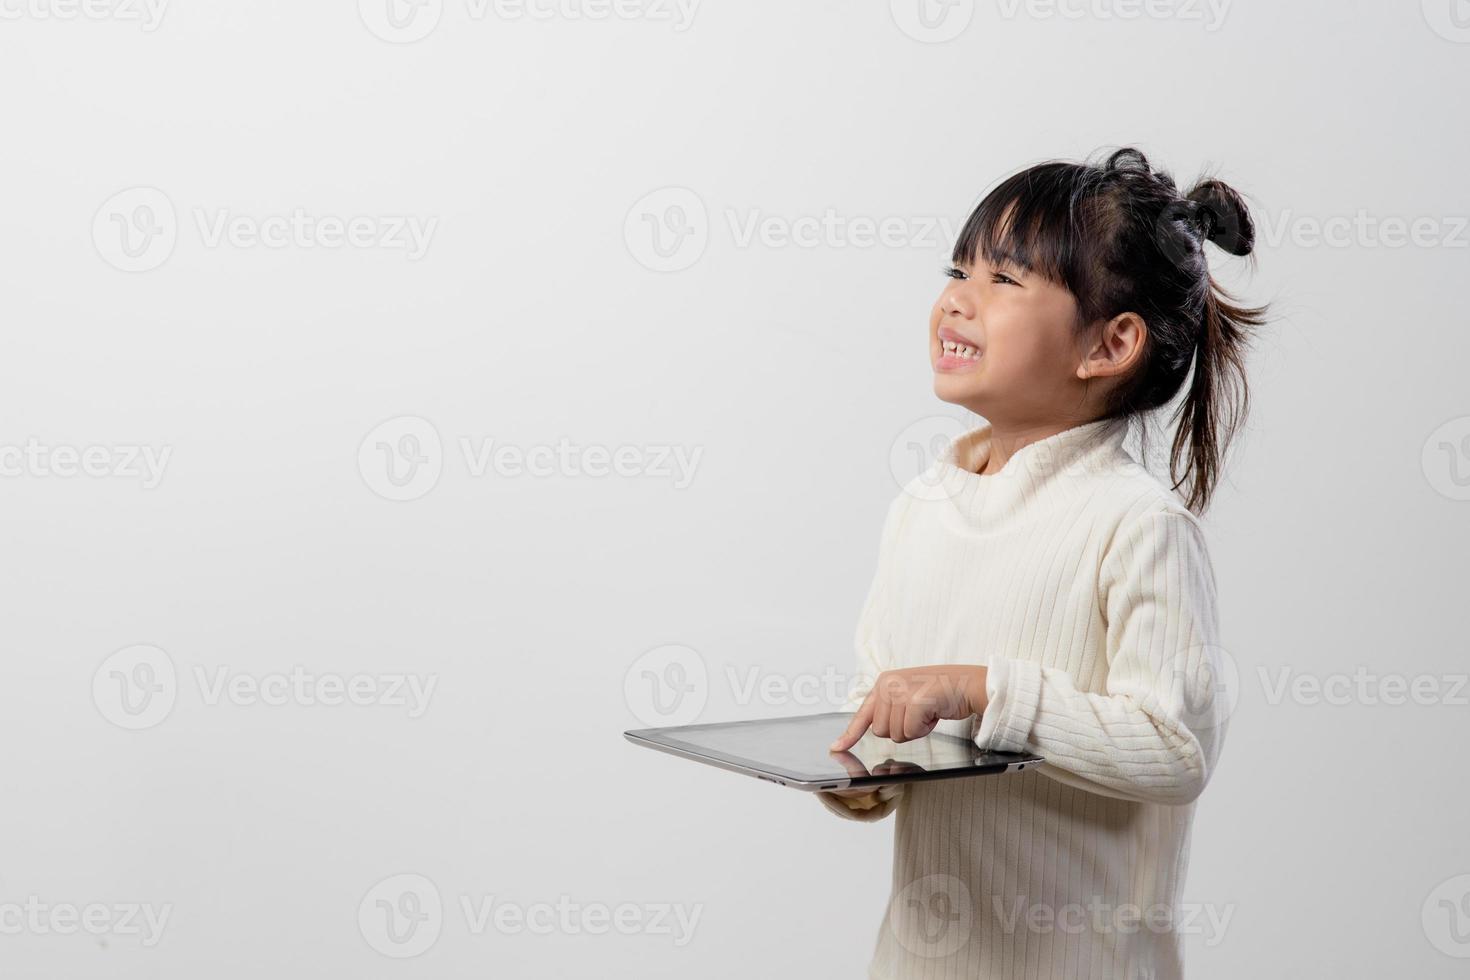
(1033, 343)
(1040, 332)
(1019, 354)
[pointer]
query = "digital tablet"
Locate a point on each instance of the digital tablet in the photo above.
(793, 752)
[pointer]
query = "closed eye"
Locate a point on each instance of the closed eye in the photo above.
(999, 278)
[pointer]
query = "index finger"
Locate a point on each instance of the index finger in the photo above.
(857, 726)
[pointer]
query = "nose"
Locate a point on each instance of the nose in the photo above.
(954, 303)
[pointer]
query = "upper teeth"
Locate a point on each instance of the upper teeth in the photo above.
(960, 350)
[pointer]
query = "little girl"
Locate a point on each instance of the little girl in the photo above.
(1037, 589)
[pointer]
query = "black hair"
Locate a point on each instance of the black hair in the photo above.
(1121, 238)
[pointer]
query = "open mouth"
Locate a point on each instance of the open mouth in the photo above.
(960, 351)
(955, 350)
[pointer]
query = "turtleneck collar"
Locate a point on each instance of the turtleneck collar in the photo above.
(1054, 467)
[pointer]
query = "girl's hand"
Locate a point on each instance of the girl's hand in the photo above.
(906, 704)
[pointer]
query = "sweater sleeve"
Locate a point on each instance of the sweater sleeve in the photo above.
(870, 663)
(1155, 734)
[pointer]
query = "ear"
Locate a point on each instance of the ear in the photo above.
(1118, 346)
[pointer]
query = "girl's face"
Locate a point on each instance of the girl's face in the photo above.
(1003, 344)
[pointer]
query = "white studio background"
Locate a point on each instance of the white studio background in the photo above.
(329, 312)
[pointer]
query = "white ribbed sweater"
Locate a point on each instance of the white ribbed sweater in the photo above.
(1083, 583)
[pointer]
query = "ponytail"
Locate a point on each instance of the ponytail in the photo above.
(1218, 399)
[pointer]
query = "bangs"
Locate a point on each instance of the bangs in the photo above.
(1032, 221)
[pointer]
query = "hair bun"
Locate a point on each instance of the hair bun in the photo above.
(1224, 216)
(1128, 158)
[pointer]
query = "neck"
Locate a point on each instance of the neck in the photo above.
(1006, 438)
